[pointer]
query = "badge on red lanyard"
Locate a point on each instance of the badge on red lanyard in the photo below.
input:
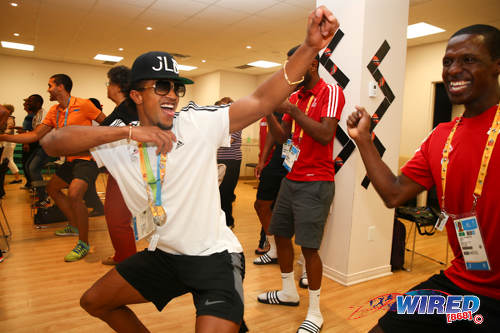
(466, 224)
(290, 151)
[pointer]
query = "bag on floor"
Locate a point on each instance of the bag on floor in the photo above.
(51, 214)
(398, 245)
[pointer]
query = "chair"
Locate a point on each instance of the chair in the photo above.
(250, 165)
(424, 221)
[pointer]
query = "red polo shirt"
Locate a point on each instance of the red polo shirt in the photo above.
(315, 162)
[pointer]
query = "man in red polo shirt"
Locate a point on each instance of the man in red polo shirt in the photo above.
(459, 157)
(307, 191)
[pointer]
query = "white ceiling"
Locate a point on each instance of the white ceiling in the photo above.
(215, 30)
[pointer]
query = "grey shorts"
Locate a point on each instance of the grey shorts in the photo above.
(302, 209)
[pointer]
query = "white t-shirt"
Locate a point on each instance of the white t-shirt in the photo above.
(195, 225)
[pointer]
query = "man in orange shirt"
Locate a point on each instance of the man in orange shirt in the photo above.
(78, 171)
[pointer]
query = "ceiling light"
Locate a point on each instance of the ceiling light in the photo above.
(185, 68)
(203, 61)
(13, 4)
(149, 28)
(18, 46)
(421, 29)
(120, 49)
(16, 34)
(264, 64)
(249, 47)
(105, 57)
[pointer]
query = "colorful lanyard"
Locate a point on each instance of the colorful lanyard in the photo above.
(306, 112)
(488, 150)
(65, 116)
(152, 183)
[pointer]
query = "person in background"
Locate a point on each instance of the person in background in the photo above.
(38, 158)
(270, 175)
(8, 147)
(78, 171)
(307, 191)
(231, 158)
(118, 216)
(4, 115)
(33, 106)
(91, 197)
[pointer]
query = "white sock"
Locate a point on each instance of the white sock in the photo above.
(272, 247)
(313, 313)
(288, 291)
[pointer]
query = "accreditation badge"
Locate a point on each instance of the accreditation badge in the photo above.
(143, 225)
(441, 221)
(286, 148)
(291, 157)
(471, 243)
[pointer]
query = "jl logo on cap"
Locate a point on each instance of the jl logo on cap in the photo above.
(165, 63)
(156, 65)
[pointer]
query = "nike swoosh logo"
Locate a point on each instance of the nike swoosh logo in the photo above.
(208, 303)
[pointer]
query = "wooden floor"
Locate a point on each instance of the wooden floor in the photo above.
(39, 292)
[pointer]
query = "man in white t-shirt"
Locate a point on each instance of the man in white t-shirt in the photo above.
(176, 194)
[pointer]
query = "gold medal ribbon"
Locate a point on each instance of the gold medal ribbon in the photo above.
(488, 150)
(154, 184)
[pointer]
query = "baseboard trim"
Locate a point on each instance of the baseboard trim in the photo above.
(358, 277)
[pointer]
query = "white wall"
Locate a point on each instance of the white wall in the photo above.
(21, 77)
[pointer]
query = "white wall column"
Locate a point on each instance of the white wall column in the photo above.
(357, 242)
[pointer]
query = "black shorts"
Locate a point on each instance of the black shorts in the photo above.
(81, 169)
(215, 281)
(489, 309)
(269, 186)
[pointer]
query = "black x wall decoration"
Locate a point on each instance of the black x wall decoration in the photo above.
(348, 145)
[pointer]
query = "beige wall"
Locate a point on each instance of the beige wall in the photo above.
(21, 77)
(423, 68)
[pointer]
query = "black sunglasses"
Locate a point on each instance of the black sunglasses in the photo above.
(162, 88)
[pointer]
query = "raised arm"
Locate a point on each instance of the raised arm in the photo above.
(28, 137)
(394, 190)
(74, 139)
(321, 27)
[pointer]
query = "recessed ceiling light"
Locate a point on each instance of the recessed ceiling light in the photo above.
(203, 60)
(149, 28)
(13, 4)
(264, 64)
(120, 49)
(105, 57)
(18, 46)
(186, 68)
(16, 34)
(421, 29)
(249, 47)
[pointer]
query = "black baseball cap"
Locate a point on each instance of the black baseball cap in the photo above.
(156, 65)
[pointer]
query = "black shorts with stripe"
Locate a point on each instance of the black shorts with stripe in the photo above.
(215, 281)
